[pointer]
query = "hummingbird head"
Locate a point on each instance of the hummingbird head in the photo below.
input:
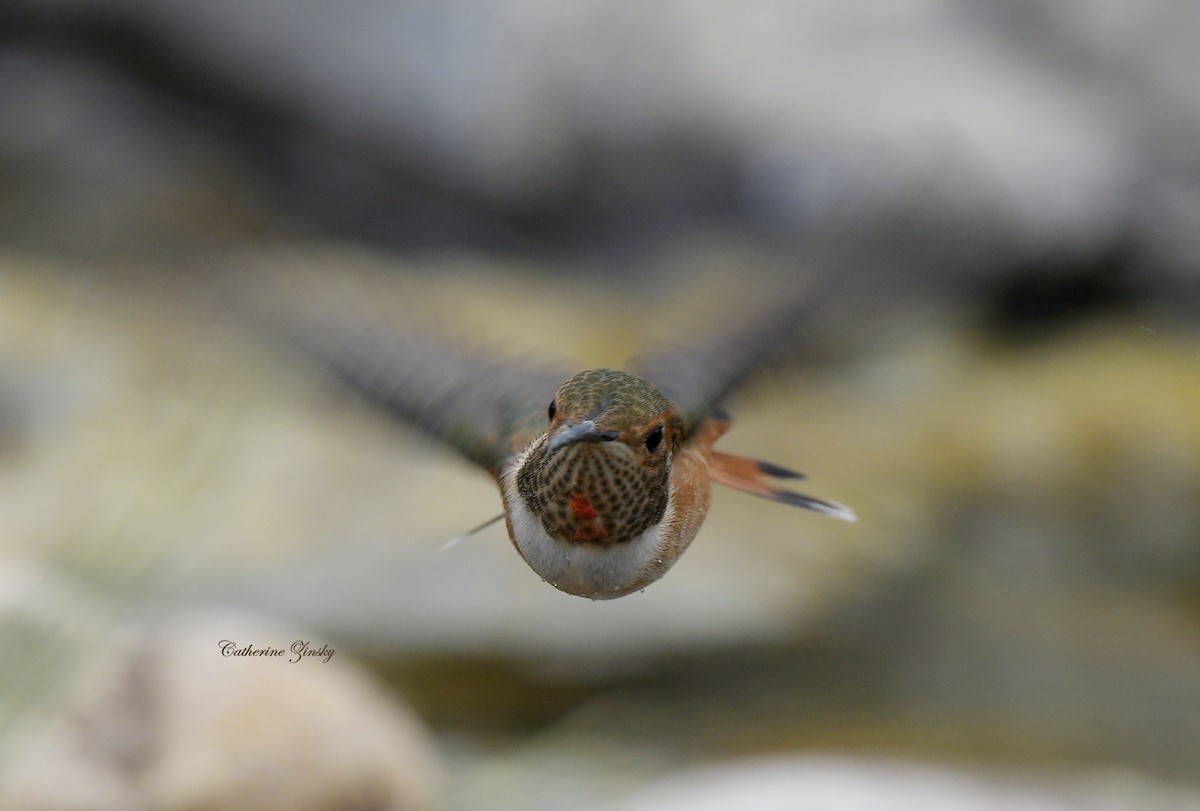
(600, 475)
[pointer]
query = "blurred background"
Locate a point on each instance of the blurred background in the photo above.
(1012, 410)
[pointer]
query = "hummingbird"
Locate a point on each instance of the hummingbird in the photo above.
(605, 476)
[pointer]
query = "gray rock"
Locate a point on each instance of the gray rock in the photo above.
(830, 783)
(97, 163)
(176, 724)
(959, 137)
(1021, 583)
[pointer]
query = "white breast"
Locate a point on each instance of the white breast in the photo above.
(588, 570)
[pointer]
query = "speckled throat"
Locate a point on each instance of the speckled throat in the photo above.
(592, 493)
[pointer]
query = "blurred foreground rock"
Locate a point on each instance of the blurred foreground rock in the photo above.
(172, 724)
(850, 784)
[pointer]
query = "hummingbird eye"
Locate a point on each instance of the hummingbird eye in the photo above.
(654, 438)
(553, 409)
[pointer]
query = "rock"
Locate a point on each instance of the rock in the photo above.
(831, 783)
(828, 115)
(284, 499)
(1021, 582)
(963, 140)
(53, 633)
(178, 725)
(101, 164)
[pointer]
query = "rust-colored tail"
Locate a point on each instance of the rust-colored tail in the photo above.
(753, 476)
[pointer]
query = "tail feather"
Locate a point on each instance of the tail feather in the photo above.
(755, 477)
(777, 472)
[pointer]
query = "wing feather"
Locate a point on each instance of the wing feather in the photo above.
(700, 375)
(483, 408)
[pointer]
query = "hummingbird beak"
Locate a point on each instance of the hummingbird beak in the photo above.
(583, 431)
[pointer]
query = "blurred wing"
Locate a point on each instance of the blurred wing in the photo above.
(480, 406)
(700, 376)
